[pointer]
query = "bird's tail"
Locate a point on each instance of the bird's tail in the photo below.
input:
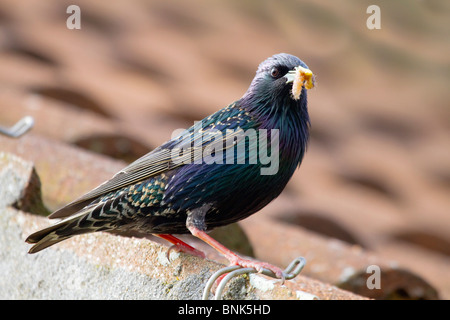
(60, 231)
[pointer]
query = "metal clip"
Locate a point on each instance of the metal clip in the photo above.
(292, 270)
(20, 128)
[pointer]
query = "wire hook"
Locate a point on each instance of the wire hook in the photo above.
(20, 128)
(292, 270)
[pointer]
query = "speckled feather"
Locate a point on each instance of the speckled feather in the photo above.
(155, 193)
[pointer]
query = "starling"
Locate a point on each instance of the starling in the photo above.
(221, 170)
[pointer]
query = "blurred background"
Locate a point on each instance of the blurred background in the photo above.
(377, 171)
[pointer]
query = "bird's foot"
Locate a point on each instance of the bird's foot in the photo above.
(235, 259)
(257, 265)
(181, 246)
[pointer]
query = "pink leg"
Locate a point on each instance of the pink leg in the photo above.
(232, 257)
(180, 245)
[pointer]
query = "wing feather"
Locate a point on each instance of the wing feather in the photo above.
(158, 161)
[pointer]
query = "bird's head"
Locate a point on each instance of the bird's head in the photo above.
(281, 79)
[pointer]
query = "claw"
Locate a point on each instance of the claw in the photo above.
(186, 249)
(227, 273)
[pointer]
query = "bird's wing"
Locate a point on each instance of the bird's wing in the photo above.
(160, 160)
(151, 164)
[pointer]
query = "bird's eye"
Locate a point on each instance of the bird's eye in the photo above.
(275, 73)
